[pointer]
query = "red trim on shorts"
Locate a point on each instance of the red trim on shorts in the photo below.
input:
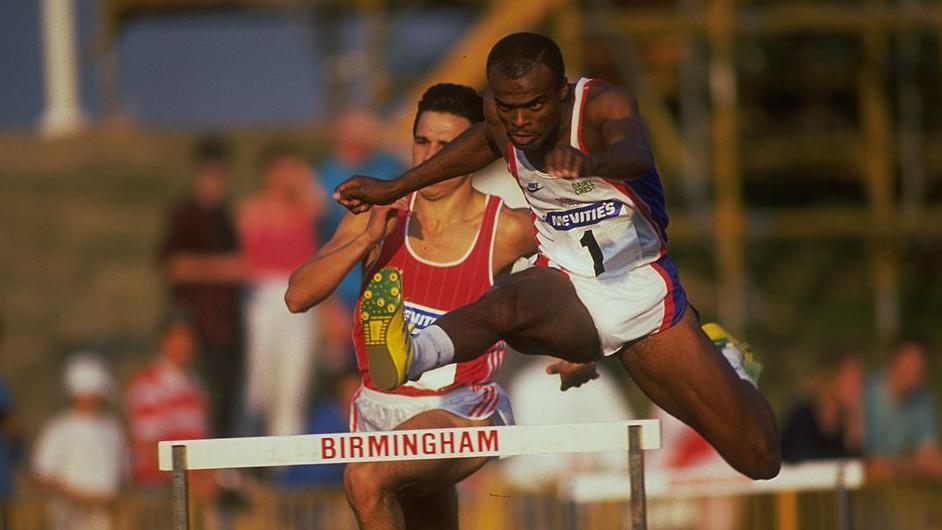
(353, 410)
(668, 299)
(482, 404)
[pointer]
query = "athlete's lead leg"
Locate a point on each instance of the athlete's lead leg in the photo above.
(537, 311)
(684, 373)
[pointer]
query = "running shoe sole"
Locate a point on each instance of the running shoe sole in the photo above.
(388, 344)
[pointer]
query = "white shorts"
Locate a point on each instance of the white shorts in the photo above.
(631, 304)
(378, 411)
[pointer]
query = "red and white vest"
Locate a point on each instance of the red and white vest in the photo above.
(432, 289)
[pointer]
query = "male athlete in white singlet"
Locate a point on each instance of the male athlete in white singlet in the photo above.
(605, 284)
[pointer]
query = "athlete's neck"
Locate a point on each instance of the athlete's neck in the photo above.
(437, 213)
(560, 135)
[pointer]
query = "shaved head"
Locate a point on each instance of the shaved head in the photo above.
(516, 54)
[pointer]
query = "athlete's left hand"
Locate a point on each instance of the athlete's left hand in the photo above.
(568, 163)
(382, 219)
(573, 375)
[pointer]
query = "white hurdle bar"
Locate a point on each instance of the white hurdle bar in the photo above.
(221, 453)
(718, 480)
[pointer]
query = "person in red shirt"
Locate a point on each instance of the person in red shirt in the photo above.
(165, 400)
(451, 241)
(276, 234)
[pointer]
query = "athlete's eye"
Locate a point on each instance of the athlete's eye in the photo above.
(421, 141)
(536, 105)
(503, 108)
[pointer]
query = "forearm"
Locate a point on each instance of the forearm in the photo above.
(625, 160)
(469, 152)
(315, 280)
(205, 268)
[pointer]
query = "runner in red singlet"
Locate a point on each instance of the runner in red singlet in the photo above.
(450, 241)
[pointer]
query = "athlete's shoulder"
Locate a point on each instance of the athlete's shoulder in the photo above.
(514, 236)
(605, 101)
(515, 221)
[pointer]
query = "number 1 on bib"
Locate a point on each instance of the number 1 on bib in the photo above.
(588, 241)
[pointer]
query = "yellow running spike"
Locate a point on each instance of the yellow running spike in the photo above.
(385, 332)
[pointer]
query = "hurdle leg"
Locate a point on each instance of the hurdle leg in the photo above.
(639, 518)
(181, 493)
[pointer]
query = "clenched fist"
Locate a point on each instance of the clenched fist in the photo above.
(568, 163)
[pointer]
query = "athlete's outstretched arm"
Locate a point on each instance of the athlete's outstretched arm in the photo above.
(473, 150)
(357, 238)
(615, 136)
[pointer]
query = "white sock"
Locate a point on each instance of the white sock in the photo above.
(432, 348)
(735, 358)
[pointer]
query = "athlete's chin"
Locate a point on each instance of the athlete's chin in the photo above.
(527, 144)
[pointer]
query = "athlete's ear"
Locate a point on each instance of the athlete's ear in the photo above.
(564, 90)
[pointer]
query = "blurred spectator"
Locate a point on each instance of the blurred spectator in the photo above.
(276, 229)
(331, 415)
(828, 424)
(80, 455)
(166, 400)
(537, 399)
(900, 417)
(355, 152)
(9, 447)
(200, 256)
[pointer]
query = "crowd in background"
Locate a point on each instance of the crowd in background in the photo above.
(230, 360)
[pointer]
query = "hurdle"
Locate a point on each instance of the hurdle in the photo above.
(720, 480)
(636, 436)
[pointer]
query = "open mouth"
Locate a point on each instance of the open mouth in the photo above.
(522, 139)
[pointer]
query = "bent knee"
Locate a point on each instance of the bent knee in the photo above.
(771, 462)
(364, 484)
(503, 307)
(767, 459)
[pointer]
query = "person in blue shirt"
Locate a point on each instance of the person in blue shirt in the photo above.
(330, 415)
(900, 438)
(828, 423)
(355, 152)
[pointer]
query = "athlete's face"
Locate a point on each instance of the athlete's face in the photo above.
(531, 107)
(433, 131)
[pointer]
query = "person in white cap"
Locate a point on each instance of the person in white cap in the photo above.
(80, 455)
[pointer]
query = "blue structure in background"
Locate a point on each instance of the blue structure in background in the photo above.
(233, 68)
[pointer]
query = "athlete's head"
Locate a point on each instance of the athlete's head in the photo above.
(445, 111)
(528, 80)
